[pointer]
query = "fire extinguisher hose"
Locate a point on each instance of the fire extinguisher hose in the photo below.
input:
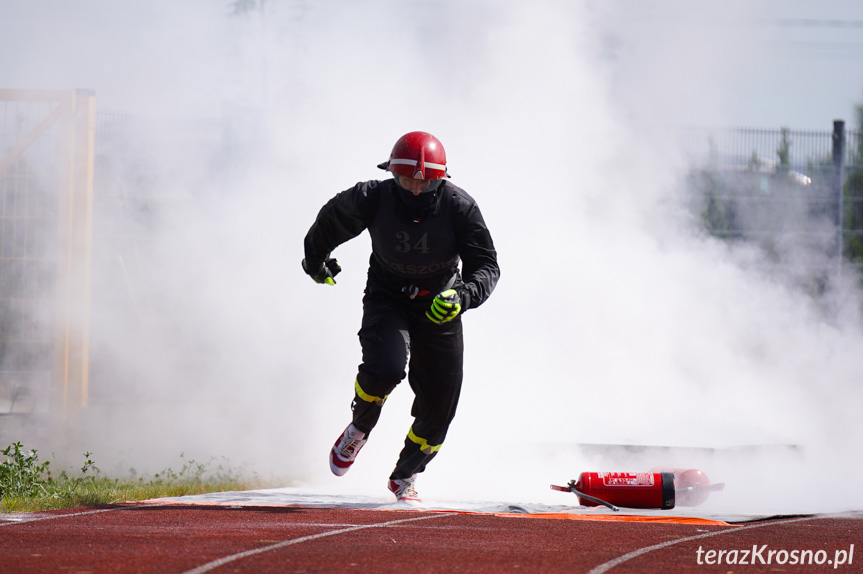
(571, 488)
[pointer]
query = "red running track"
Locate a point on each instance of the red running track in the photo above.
(176, 538)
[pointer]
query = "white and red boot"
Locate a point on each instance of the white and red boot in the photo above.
(346, 449)
(405, 491)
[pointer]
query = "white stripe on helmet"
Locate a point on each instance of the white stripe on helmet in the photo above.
(413, 162)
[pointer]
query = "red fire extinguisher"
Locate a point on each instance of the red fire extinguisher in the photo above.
(691, 486)
(642, 489)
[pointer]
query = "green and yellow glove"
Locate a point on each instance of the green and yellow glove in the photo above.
(445, 307)
(323, 273)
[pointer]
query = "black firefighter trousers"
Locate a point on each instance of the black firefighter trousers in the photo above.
(393, 331)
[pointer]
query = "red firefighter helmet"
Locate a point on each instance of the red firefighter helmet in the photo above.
(418, 155)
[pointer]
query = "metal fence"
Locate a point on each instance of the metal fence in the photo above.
(46, 184)
(780, 185)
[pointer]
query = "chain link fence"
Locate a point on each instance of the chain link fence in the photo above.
(788, 191)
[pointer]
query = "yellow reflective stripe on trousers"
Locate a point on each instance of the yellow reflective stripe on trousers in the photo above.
(367, 397)
(423, 443)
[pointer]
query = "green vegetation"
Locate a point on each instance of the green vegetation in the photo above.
(27, 484)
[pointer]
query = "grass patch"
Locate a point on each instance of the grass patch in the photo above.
(27, 484)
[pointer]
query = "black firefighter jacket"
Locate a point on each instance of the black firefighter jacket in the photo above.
(417, 242)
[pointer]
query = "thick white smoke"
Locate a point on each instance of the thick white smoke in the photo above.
(614, 322)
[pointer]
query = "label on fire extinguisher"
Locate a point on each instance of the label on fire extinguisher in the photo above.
(626, 478)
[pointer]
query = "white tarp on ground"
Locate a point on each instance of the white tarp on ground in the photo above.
(293, 496)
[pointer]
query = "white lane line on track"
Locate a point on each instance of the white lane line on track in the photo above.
(227, 559)
(602, 568)
(28, 519)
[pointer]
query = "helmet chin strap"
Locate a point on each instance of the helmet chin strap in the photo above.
(433, 185)
(436, 183)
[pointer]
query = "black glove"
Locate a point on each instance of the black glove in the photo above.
(323, 273)
(445, 307)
